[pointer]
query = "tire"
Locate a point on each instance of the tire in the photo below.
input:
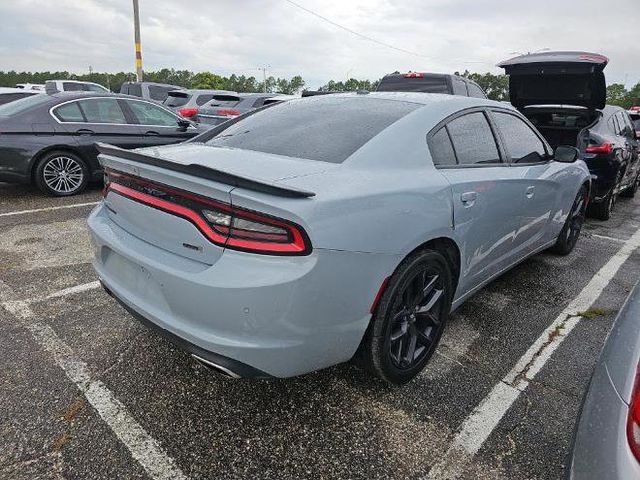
(573, 225)
(630, 191)
(61, 174)
(409, 319)
(602, 210)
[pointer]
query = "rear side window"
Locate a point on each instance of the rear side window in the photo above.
(459, 86)
(102, 110)
(473, 139)
(441, 148)
(134, 89)
(521, 142)
(426, 84)
(614, 126)
(73, 87)
(326, 128)
(69, 113)
(475, 91)
(177, 99)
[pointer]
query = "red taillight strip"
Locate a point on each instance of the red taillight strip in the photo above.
(633, 419)
(172, 208)
(299, 245)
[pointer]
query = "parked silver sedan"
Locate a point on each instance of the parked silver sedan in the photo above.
(323, 228)
(607, 441)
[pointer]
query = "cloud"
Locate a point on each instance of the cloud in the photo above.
(228, 36)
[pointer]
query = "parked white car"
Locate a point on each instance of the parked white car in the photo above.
(37, 87)
(53, 86)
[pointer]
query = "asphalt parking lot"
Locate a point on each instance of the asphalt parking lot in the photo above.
(88, 393)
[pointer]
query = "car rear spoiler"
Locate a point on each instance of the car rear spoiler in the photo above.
(205, 172)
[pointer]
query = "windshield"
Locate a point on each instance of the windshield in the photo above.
(326, 128)
(19, 106)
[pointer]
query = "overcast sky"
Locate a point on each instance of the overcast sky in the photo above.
(237, 36)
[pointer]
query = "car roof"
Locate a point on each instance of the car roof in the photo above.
(202, 90)
(73, 95)
(419, 97)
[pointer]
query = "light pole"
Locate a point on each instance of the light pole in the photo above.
(136, 29)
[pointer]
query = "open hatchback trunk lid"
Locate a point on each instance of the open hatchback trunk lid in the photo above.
(557, 78)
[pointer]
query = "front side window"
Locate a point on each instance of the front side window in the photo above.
(473, 139)
(522, 144)
(102, 110)
(148, 114)
(69, 112)
(441, 148)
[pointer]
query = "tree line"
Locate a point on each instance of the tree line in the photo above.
(495, 86)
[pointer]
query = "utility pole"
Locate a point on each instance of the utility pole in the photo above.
(136, 29)
(264, 77)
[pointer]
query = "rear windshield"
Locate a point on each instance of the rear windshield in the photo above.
(426, 84)
(636, 124)
(223, 101)
(177, 99)
(324, 128)
(10, 97)
(19, 106)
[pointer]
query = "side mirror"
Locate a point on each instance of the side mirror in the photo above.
(566, 154)
(183, 124)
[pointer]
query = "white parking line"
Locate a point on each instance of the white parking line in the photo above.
(48, 209)
(477, 427)
(143, 448)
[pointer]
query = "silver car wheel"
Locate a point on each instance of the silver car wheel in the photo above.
(63, 175)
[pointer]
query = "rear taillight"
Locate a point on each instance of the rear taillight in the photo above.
(221, 223)
(604, 148)
(228, 112)
(414, 75)
(188, 112)
(633, 420)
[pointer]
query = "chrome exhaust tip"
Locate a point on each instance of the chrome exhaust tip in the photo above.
(209, 365)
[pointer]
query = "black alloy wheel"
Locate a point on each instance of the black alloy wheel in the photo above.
(410, 318)
(573, 224)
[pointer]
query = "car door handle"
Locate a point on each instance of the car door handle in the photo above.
(85, 131)
(530, 191)
(468, 198)
(151, 133)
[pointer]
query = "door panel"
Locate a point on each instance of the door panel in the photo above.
(487, 203)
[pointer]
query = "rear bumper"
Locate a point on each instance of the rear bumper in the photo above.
(227, 365)
(263, 315)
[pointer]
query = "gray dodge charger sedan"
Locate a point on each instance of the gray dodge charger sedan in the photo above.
(331, 227)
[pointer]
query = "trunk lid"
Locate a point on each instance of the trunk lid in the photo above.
(552, 78)
(210, 173)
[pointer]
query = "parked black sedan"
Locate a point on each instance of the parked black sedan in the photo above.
(50, 140)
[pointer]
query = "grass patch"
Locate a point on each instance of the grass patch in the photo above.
(594, 312)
